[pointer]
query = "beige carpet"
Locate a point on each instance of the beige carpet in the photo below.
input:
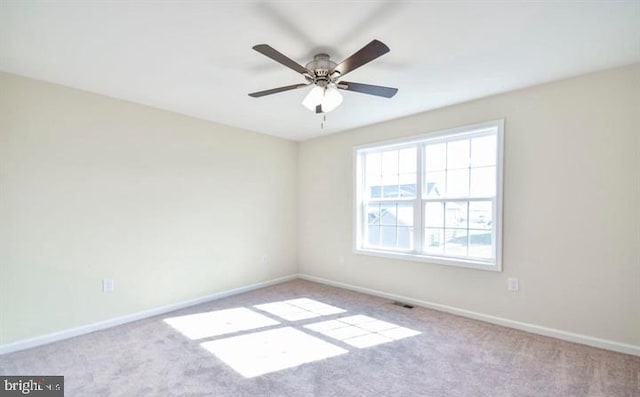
(302, 347)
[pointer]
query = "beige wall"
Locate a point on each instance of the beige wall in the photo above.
(172, 208)
(571, 209)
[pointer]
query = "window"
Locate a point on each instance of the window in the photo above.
(435, 198)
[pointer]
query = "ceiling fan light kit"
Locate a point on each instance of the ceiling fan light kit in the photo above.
(324, 75)
(328, 98)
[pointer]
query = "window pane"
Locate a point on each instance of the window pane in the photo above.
(434, 184)
(480, 244)
(435, 157)
(373, 236)
(483, 151)
(407, 185)
(373, 186)
(408, 160)
(456, 214)
(434, 241)
(390, 185)
(373, 163)
(373, 214)
(434, 214)
(405, 214)
(405, 237)
(481, 215)
(458, 183)
(390, 162)
(388, 214)
(388, 236)
(483, 182)
(455, 242)
(373, 175)
(458, 154)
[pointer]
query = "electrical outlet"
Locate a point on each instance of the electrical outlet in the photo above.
(107, 285)
(265, 259)
(513, 284)
(341, 259)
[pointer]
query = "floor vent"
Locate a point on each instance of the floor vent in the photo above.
(405, 305)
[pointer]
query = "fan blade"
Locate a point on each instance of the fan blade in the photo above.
(276, 90)
(365, 55)
(272, 53)
(377, 90)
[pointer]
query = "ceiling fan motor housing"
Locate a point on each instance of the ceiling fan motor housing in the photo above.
(320, 67)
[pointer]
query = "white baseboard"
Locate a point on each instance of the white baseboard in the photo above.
(535, 329)
(85, 329)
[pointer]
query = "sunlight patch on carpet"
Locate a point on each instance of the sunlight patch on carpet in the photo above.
(361, 331)
(299, 309)
(220, 322)
(263, 352)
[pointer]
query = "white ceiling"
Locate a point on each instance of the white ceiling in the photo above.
(195, 57)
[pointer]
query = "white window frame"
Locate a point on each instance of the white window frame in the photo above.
(489, 127)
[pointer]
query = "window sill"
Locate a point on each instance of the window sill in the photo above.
(471, 264)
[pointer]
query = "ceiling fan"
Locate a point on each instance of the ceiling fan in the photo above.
(325, 76)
